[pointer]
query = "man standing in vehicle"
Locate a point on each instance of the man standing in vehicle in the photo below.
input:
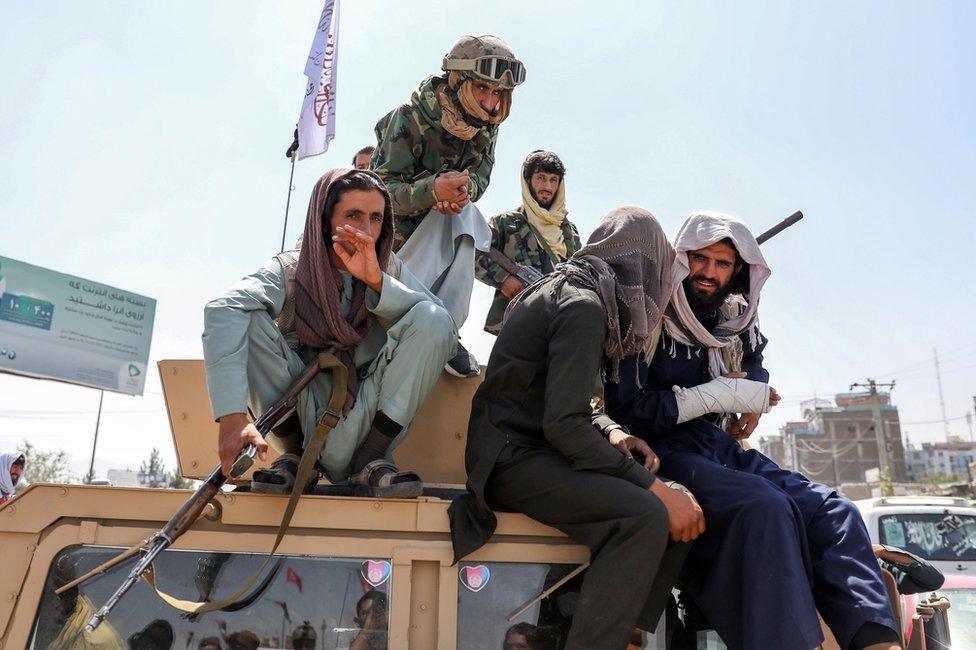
(535, 447)
(435, 153)
(778, 547)
(537, 234)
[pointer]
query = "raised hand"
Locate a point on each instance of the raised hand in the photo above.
(357, 250)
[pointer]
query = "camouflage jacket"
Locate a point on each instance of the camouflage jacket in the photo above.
(413, 147)
(513, 236)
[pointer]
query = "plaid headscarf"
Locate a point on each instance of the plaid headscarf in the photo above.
(318, 316)
(628, 262)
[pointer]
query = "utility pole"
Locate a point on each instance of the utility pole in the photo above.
(938, 379)
(98, 421)
(833, 454)
(880, 431)
(974, 413)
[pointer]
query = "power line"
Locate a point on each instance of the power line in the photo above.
(65, 415)
(925, 362)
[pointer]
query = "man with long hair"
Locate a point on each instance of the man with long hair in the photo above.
(344, 290)
(537, 234)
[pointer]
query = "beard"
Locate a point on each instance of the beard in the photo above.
(705, 305)
(544, 204)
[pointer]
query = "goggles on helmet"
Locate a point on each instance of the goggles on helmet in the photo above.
(490, 68)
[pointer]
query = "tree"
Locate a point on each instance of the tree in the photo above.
(178, 482)
(153, 473)
(46, 466)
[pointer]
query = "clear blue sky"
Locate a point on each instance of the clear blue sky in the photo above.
(141, 145)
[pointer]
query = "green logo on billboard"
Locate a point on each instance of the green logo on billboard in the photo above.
(134, 371)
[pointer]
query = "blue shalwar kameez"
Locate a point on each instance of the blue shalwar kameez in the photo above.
(777, 547)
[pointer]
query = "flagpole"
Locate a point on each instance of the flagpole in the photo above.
(291, 177)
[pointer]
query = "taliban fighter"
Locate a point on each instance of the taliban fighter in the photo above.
(435, 154)
(778, 547)
(535, 447)
(537, 234)
(344, 290)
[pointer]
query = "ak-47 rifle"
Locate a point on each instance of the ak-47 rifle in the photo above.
(525, 274)
(180, 522)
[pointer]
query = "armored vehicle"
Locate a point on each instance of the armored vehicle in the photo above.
(350, 572)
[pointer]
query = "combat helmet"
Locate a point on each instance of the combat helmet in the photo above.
(485, 57)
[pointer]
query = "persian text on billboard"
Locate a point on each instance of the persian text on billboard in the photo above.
(63, 327)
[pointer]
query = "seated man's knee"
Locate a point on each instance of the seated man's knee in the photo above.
(435, 323)
(768, 504)
(651, 516)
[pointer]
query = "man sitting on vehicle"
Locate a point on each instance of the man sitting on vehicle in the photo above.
(436, 153)
(345, 291)
(778, 547)
(535, 447)
(537, 234)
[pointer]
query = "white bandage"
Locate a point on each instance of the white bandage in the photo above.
(722, 395)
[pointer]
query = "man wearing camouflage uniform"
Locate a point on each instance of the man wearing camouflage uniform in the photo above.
(435, 154)
(537, 234)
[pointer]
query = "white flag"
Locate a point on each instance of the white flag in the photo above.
(316, 124)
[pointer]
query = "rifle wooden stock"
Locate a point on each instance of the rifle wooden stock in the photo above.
(191, 510)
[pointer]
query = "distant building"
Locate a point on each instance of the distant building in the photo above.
(130, 478)
(123, 477)
(836, 441)
(941, 458)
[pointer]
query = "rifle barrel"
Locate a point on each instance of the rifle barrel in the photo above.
(159, 544)
(780, 227)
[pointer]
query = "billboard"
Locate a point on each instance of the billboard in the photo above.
(62, 327)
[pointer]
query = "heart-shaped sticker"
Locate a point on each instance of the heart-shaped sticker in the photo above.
(376, 572)
(474, 577)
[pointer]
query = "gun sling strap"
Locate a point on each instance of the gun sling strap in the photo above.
(309, 457)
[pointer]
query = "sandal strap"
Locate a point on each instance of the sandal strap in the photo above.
(363, 476)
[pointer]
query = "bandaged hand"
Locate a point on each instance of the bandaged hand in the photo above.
(722, 395)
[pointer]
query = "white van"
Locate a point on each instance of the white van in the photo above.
(940, 529)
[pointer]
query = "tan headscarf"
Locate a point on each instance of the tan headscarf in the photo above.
(548, 222)
(451, 118)
(319, 322)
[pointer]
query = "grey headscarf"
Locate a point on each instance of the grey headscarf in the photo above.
(628, 262)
